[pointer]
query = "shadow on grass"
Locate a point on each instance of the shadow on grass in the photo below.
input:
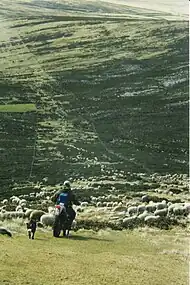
(43, 239)
(86, 238)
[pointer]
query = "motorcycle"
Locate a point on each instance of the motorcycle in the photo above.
(62, 221)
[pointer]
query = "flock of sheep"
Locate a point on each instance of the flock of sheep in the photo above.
(127, 212)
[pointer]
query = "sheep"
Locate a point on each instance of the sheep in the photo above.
(151, 220)
(79, 209)
(84, 204)
(150, 208)
(143, 215)
(19, 209)
(23, 201)
(161, 212)
(109, 204)
(23, 205)
(28, 212)
(160, 206)
(13, 214)
(170, 208)
(14, 200)
(187, 207)
(99, 204)
(36, 214)
(174, 206)
(12, 197)
(145, 198)
(129, 221)
(132, 210)
(120, 196)
(141, 209)
(5, 202)
(94, 199)
(51, 210)
(3, 209)
(47, 219)
(179, 211)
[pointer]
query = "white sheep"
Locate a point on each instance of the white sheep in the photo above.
(13, 214)
(132, 210)
(14, 200)
(179, 210)
(94, 199)
(23, 201)
(145, 198)
(36, 214)
(19, 209)
(151, 220)
(79, 209)
(141, 209)
(47, 219)
(170, 208)
(161, 212)
(129, 220)
(28, 212)
(143, 215)
(99, 204)
(187, 207)
(51, 210)
(109, 204)
(151, 208)
(160, 206)
(5, 202)
(84, 204)
(174, 206)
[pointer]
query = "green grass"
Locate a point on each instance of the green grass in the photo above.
(18, 108)
(105, 258)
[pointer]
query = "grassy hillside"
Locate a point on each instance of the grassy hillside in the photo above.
(105, 258)
(110, 84)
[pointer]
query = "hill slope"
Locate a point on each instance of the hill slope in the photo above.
(110, 85)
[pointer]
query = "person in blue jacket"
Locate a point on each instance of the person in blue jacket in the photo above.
(68, 198)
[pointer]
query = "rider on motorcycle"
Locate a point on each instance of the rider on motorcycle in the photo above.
(67, 197)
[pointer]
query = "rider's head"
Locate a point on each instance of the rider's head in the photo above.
(67, 184)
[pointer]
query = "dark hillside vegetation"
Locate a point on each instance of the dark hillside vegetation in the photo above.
(111, 93)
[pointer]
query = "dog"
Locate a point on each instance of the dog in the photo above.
(31, 228)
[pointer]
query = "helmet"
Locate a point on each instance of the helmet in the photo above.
(67, 184)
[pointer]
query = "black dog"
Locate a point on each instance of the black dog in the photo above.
(31, 228)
